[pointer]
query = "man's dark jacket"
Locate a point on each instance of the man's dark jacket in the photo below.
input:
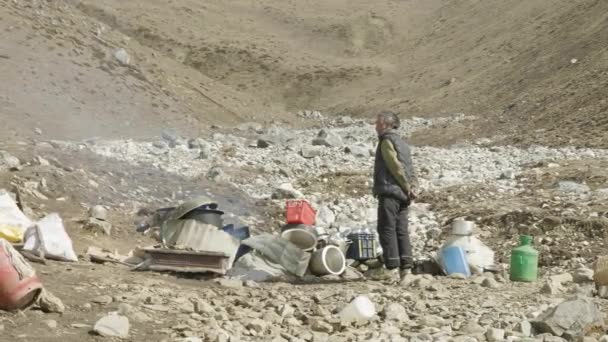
(384, 182)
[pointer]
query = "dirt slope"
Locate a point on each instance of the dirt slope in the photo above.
(195, 63)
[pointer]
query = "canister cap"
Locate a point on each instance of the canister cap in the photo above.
(525, 240)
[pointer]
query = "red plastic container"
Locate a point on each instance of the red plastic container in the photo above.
(300, 212)
(16, 292)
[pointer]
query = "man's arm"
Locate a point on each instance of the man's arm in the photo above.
(394, 165)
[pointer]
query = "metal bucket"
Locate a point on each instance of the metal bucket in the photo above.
(303, 236)
(326, 261)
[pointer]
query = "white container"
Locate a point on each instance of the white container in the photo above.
(462, 227)
(360, 309)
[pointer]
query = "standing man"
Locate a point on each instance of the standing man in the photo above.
(394, 186)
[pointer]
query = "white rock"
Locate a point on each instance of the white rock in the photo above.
(325, 217)
(495, 335)
(98, 212)
(113, 325)
(286, 191)
(122, 56)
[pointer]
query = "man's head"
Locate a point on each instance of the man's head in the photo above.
(386, 121)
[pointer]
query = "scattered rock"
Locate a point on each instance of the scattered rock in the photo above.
(495, 335)
(524, 327)
(103, 300)
(561, 278)
(98, 212)
(49, 303)
(8, 162)
(257, 325)
(551, 288)
(352, 274)
(287, 311)
(325, 217)
(573, 187)
(263, 143)
(216, 174)
(98, 226)
(328, 139)
(122, 56)
(573, 316)
(286, 191)
(395, 312)
(582, 275)
(311, 152)
(231, 283)
(112, 325)
(319, 325)
(490, 283)
(359, 150)
(52, 324)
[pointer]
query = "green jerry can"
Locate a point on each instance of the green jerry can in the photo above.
(524, 261)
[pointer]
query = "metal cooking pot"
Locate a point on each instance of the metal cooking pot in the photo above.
(208, 216)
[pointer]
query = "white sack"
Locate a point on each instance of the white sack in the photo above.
(11, 215)
(56, 244)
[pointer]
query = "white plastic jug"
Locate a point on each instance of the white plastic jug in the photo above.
(360, 309)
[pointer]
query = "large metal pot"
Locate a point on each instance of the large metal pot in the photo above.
(208, 216)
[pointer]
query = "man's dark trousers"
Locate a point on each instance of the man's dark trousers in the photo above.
(393, 232)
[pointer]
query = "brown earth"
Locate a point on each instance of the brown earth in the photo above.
(193, 63)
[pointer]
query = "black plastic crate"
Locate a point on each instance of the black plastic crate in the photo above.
(363, 246)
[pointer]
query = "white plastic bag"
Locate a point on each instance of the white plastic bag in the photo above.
(11, 215)
(56, 244)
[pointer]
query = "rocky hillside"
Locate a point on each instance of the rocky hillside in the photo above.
(532, 71)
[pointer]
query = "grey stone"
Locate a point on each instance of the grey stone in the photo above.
(257, 325)
(431, 321)
(98, 226)
(49, 303)
(582, 275)
(287, 311)
(8, 162)
(216, 174)
(602, 292)
(495, 335)
(197, 143)
(395, 312)
(319, 325)
(311, 152)
(113, 325)
(551, 288)
(51, 324)
(263, 143)
(325, 217)
(170, 136)
(286, 191)
(98, 212)
(327, 138)
(508, 174)
(103, 300)
(573, 315)
(573, 187)
(122, 56)
(232, 283)
(561, 278)
(358, 150)
(524, 327)
(490, 283)
(352, 274)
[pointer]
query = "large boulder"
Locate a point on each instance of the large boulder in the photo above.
(571, 316)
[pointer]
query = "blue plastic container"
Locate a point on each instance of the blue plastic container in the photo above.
(240, 234)
(455, 261)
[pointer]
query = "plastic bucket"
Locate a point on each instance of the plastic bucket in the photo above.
(360, 309)
(302, 236)
(326, 261)
(17, 292)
